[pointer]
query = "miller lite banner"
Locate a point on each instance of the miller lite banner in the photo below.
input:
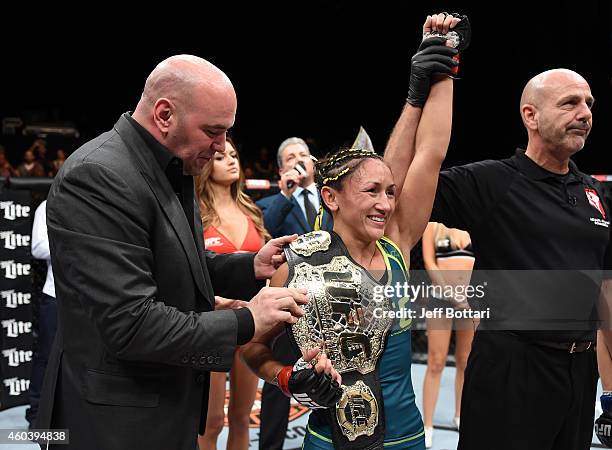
(16, 353)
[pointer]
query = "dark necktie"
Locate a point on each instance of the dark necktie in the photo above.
(311, 212)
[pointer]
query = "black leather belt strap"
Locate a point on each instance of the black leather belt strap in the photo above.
(376, 440)
(569, 347)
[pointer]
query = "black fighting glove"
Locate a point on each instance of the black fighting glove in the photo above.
(603, 429)
(603, 425)
(459, 37)
(307, 387)
(433, 56)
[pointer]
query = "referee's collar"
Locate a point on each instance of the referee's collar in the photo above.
(532, 170)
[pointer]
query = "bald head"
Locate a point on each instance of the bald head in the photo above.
(543, 84)
(178, 77)
(188, 105)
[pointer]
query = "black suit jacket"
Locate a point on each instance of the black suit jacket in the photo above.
(136, 338)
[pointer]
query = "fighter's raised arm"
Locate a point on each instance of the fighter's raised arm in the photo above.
(420, 138)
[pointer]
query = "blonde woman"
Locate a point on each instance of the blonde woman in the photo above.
(232, 223)
(449, 259)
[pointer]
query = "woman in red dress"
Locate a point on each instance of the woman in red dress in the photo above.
(232, 223)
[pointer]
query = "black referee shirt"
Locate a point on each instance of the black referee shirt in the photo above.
(540, 241)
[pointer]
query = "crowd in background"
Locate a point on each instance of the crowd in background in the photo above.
(36, 161)
(40, 161)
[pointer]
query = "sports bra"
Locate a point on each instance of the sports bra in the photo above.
(217, 242)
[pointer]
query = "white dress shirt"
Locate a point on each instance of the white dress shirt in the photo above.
(40, 245)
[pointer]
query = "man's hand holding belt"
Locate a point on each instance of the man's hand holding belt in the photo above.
(315, 384)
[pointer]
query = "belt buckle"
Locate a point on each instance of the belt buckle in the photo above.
(574, 346)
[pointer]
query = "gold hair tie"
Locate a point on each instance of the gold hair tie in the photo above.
(349, 153)
(334, 178)
(341, 156)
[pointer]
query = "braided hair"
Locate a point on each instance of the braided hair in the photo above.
(333, 169)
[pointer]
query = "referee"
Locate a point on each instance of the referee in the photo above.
(538, 225)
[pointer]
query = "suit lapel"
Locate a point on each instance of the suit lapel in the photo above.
(174, 213)
(171, 206)
(200, 245)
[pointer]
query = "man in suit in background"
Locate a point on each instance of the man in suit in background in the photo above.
(292, 210)
(137, 333)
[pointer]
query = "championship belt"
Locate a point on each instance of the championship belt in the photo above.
(340, 320)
